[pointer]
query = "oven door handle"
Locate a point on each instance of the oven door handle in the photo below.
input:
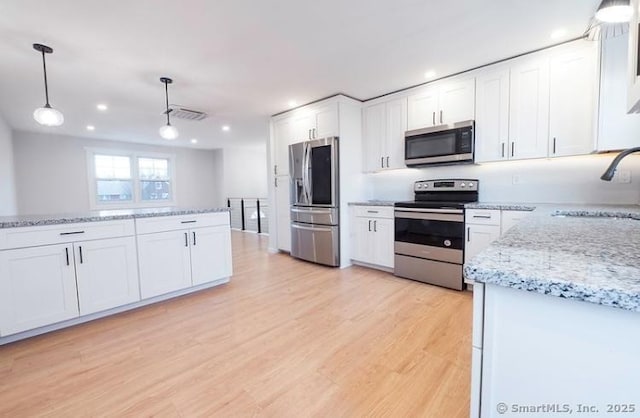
(451, 211)
(430, 216)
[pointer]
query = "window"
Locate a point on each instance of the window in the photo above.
(125, 180)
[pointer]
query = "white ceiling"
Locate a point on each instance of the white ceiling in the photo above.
(241, 61)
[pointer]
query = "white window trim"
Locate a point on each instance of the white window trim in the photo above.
(137, 201)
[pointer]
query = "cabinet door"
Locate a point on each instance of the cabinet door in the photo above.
(422, 108)
(283, 216)
(492, 116)
(478, 238)
(396, 118)
(37, 287)
(326, 122)
(373, 138)
(210, 254)
(457, 102)
(283, 136)
(383, 242)
(572, 102)
(165, 262)
(362, 242)
(303, 126)
(529, 109)
(107, 272)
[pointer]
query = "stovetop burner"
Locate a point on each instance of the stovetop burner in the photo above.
(442, 194)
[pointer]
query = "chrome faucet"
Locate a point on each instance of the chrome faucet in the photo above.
(611, 170)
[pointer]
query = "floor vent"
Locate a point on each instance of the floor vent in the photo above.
(180, 112)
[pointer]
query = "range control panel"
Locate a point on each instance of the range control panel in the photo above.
(451, 185)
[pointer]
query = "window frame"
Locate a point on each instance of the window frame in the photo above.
(136, 181)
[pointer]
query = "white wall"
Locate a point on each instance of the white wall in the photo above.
(51, 172)
(8, 204)
(245, 172)
(559, 180)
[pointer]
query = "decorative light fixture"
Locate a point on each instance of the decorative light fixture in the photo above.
(168, 131)
(46, 115)
(611, 20)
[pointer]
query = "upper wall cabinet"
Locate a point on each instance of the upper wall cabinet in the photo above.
(442, 103)
(283, 137)
(384, 125)
(492, 116)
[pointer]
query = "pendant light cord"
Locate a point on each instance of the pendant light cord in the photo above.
(166, 95)
(46, 85)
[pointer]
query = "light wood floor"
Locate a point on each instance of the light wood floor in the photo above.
(284, 338)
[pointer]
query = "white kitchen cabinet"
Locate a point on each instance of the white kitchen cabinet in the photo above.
(210, 254)
(492, 116)
(326, 121)
(37, 287)
(572, 101)
(442, 103)
(304, 122)
(529, 108)
(373, 237)
(165, 262)
(283, 214)
(478, 237)
(283, 137)
(107, 273)
(384, 125)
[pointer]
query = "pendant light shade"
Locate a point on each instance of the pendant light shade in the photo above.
(614, 11)
(46, 115)
(167, 131)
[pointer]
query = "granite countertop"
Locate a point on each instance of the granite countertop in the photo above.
(373, 203)
(501, 206)
(587, 253)
(102, 215)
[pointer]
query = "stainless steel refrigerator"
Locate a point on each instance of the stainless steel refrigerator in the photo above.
(315, 226)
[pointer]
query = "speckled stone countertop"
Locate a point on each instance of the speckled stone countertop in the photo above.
(97, 216)
(372, 203)
(501, 206)
(586, 253)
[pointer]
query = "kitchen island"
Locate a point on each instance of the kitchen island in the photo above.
(61, 270)
(557, 315)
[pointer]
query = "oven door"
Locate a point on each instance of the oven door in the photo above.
(439, 145)
(435, 234)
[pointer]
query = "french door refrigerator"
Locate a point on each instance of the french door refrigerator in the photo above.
(315, 226)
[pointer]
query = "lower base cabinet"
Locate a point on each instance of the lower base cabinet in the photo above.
(210, 254)
(373, 237)
(37, 287)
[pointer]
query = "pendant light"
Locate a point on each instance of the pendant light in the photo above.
(614, 11)
(46, 115)
(168, 131)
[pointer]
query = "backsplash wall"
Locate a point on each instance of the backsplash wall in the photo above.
(557, 180)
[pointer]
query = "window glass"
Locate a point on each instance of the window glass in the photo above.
(112, 167)
(153, 168)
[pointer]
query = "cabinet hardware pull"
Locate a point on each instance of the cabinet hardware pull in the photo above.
(369, 225)
(315, 134)
(434, 118)
(503, 150)
(186, 239)
(375, 226)
(188, 222)
(72, 233)
(468, 234)
(275, 169)
(441, 117)
(387, 162)
(372, 211)
(381, 162)
(554, 144)
(275, 182)
(513, 144)
(66, 250)
(81, 258)
(482, 216)
(194, 238)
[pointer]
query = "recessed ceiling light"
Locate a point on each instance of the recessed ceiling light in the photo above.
(102, 107)
(559, 33)
(91, 128)
(194, 141)
(226, 128)
(293, 103)
(429, 74)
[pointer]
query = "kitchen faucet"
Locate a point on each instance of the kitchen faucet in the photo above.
(611, 170)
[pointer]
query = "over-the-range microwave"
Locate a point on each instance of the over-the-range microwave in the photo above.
(444, 144)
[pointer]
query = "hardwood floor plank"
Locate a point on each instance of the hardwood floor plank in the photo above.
(284, 338)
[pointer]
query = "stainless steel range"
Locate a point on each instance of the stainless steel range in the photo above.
(429, 232)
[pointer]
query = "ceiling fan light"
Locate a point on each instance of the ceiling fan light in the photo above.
(168, 132)
(614, 11)
(48, 116)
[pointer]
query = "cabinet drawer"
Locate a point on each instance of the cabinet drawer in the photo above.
(374, 211)
(173, 223)
(33, 236)
(482, 217)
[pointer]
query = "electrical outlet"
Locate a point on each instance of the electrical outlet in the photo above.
(515, 179)
(623, 176)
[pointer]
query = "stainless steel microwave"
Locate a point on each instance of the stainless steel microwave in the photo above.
(444, 144)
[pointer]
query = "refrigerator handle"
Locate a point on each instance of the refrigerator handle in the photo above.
(305, 173)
